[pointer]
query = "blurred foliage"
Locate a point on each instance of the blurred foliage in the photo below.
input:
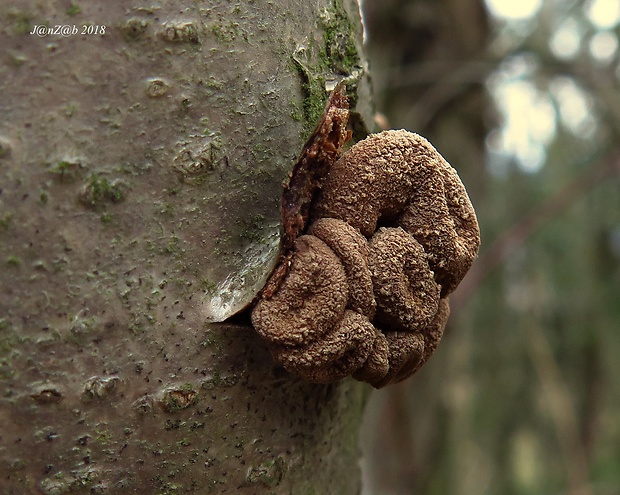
(523, 395)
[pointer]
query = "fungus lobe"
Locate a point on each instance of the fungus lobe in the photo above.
(373, 241)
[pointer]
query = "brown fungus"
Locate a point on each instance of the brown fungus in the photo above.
(407, 295)
(377, 364)
(443, 220)
(352, 250)
(405, 353)
(397, 178)
(372, 243)
(434, 331)
(336, 355)
(311, 299)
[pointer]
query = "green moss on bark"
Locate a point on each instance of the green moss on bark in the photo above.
(320, 66)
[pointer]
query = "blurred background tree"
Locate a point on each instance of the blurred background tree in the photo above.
(522, 98)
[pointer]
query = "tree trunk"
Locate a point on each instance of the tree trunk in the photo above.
(141, 160)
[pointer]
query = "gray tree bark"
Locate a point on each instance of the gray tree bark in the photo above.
(141, 161)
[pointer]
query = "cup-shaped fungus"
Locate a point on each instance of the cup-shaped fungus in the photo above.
(397, 178)
(311, 299)
(406, 293)
(364, 292)
(352, 249)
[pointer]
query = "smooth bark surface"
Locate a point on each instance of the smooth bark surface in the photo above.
(140, 176)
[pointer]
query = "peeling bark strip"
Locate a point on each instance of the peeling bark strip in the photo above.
(391, 234)
(320, 152)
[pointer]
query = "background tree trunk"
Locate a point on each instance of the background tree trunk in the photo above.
(141, 162)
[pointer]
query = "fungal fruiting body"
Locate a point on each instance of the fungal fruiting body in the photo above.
(363, 291)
